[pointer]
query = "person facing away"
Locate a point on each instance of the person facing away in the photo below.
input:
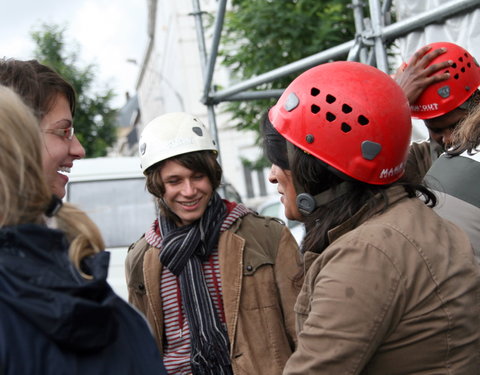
(57, 317)
(455, 176)
(441, 83)
(216, 281)
(52, 100)
(390, 287)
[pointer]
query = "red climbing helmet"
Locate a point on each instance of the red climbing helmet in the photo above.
(351, 116)
(443, 97)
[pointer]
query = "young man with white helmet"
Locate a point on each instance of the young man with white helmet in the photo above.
(216, 281)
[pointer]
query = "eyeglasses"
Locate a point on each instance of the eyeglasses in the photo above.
(66, 133)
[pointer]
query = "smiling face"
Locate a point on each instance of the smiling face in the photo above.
(286, 188)
(58, 152)
(187, 192)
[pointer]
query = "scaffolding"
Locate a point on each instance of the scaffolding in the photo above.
(369, 46)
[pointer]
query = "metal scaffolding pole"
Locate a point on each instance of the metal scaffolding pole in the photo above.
(443, 12)
(389, 32)
(358, 51)
(208, 64)
(254, 95)
(308, 62)
(222, 5)
(377, 18)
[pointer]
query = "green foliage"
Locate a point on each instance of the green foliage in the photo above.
(94, 117)
(256, 164)
(262, 35)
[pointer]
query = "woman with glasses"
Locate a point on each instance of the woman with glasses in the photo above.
(52, 100)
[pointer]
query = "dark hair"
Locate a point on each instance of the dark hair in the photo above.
(198, 161)
(314, 177)
(274, 145)
(37, 84)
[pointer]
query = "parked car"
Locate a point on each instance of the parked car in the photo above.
(274, 208)
(111, 190)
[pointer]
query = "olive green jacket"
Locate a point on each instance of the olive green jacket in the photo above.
(259, 262)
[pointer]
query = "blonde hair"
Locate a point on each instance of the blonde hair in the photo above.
(24, 193)
(82, 233)
(466, 136)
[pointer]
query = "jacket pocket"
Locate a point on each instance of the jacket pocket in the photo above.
(259, 289)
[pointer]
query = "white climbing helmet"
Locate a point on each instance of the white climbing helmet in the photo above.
(170, 135)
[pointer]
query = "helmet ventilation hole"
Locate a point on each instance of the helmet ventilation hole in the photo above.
(462, 70)
(345, 127)
(315, 109)
(346, 108)
(469, 65)
(456, 76)
(330, 117)
(362, 120)
(314, 91)
(454, 65)
(197, 130)
(331, 99)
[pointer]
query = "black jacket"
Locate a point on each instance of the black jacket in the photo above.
(54, 322)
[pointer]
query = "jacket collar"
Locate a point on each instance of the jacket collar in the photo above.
(393, 194)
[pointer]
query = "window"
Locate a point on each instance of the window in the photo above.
(122, 208)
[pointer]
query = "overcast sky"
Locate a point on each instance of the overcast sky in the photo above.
(108, 32)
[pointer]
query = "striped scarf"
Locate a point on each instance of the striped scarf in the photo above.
(183, 250)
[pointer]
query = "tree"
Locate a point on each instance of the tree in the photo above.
(261, 35)
(94, 117)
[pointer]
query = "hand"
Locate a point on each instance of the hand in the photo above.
(416, 76)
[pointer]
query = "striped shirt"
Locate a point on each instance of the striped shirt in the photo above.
(177, 347)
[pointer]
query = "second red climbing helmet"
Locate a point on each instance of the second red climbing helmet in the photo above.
(443, 97)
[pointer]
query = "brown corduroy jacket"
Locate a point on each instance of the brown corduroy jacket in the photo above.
(259, 263)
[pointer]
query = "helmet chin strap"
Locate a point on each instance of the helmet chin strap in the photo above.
(307, 203)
